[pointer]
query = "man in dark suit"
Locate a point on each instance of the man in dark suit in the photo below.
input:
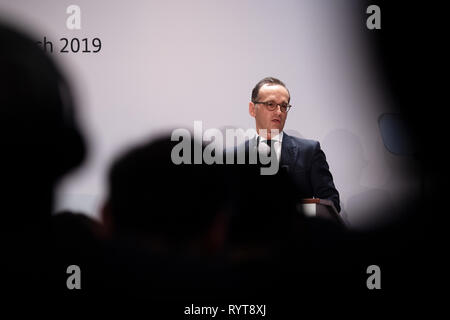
(302, 159)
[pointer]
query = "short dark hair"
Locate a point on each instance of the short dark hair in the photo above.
(270, 81)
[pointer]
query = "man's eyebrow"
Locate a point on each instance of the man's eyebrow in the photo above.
(273, 101)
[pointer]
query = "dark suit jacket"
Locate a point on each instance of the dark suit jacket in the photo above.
(306, 164)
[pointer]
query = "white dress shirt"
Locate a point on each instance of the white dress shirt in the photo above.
(263, 147)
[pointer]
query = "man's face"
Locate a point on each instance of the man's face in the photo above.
(266, 119)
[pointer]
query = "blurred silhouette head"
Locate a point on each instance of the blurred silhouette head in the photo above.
(40, 139)
(152, 196)
(264, 207)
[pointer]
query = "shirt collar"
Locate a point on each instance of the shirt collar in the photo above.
(278, 137)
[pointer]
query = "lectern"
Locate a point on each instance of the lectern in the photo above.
(321, 208)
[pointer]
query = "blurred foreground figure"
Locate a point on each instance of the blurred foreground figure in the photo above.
(167, 223)
(197, 232)
(40, 142)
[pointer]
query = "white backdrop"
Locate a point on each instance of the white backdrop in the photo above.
(165, 64)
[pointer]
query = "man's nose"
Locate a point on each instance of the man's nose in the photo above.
(278, 109)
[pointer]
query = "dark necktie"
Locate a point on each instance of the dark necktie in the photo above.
(268, 143)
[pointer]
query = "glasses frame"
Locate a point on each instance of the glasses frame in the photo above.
(272, 108)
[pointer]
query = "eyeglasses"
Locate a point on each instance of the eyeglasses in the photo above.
(284, 107)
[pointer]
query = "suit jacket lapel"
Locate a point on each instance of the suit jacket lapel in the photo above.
(289, 151)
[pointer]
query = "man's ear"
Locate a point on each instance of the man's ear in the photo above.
(251, 109)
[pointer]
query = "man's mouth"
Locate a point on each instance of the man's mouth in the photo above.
(276, 120)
